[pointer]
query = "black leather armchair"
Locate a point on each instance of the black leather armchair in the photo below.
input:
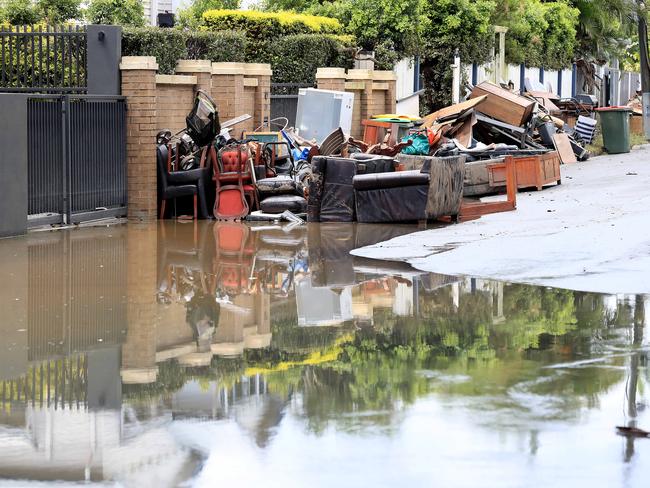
(177, 184)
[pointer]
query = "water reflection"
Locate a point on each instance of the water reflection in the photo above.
(196, 353)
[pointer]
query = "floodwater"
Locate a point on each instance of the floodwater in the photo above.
(221, 354)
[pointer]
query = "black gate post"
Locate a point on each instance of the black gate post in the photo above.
(104, 52)
(13, 164)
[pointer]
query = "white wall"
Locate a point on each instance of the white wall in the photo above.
(405, 71)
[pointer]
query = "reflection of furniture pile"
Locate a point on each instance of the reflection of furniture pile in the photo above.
(233, 258)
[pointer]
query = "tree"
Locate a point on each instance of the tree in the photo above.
(117, 12)
(539, 33)
(55, 11)
(190, 16)
(21, 12)
(453, 24)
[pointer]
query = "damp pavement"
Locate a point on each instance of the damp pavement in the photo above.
(214, 354)
(590, 233)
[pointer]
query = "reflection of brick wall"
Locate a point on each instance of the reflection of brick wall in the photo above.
(139, 349)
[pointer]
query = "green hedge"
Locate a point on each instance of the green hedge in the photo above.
(170, 45)
(295, 45)
(270, 25)
(222, 46)
(291, 64)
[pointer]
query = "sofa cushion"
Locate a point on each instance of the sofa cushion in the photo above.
(279, 185)
(280, 203)
(399, 204)
(390, 180)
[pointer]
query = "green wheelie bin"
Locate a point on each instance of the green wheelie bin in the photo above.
(615, 124)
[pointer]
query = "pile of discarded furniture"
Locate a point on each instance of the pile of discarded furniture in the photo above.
(403, 169)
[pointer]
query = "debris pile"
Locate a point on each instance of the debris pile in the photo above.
(401, 169)
(494, 122)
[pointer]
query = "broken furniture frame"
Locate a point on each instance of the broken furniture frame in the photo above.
(472, 209)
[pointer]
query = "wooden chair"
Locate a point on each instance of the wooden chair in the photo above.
(374, 132)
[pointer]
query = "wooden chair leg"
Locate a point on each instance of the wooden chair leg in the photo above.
(162, 209)
(196, 207)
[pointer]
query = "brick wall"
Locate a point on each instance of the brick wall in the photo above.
(374, 92)
(174, 99)
(157, 102)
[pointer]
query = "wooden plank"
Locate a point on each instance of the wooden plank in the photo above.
(564, 149)
(453, 111)
(464, 132)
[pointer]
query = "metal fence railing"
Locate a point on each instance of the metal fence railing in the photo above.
(76, 158)
(284, 100)
(49, 59)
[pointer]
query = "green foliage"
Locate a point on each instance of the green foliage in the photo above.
(20, 12)
(269, 26)
(453, 24)
(377, 24)
(222, 46)
(526, 27)
(192, 16)
(116, 12)
(56, 11)
(606, 27)
(167, 45)
(560, 36)
(170, 45)
(539, 33)
(291, 65)
(295, 45)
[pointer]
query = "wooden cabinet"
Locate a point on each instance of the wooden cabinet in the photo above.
(503, 105)
(531, 171)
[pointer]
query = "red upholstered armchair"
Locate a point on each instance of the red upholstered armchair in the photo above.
(234, 183)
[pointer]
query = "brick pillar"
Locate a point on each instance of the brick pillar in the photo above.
(330, 79)
(139, 88)
(139, 349)
(258, 76)
(228, 90)
(201, 69)
(359, 82)
(387, 81)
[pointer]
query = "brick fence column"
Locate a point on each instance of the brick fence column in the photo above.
(387, 81)
(330, 79)
(201, 68)
(258, 76)
(359, 82)
(228, 89)
(139, 88)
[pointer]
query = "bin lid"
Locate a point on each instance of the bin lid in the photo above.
(614, 109)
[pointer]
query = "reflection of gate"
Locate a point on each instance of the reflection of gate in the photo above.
(76, 158)
(284, 100)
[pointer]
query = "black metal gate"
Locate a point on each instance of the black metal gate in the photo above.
(76, 158)
(284, 100)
